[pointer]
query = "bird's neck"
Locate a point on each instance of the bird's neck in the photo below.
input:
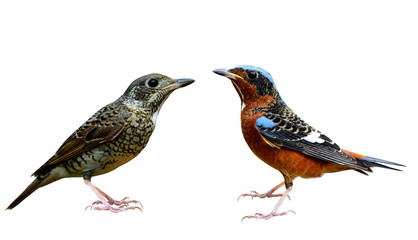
(141, 107)
(258, 104)
(133, 104)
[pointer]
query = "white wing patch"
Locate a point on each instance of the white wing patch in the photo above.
(314, 137)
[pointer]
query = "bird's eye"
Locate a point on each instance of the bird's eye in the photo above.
(153, 83)
(252, 74)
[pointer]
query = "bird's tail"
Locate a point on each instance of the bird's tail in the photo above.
(374, 162)
(37, 183)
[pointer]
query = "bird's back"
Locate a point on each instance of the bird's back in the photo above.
(110, 138)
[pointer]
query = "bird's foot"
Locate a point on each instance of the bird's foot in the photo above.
(108, 207)
(122, 203)
(268, 194)
(254, 194)
(126, 201)
(110, 204)
(275, 212)
(268, 216)
(119, 206)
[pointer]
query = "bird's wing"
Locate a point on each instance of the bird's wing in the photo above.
(285, 129)
(102, 127)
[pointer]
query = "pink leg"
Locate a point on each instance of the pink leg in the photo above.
(123, 203)
(274, 213)
(107, 201)
(268, 194)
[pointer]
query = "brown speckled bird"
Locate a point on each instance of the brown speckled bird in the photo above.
(110, 138)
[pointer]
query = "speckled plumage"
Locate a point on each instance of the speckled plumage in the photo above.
(125, 130)
(111, 137)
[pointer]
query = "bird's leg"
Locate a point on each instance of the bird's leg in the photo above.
(274, 213)
(288, 182)
(268, 194)
(107, 201)
(122, 203)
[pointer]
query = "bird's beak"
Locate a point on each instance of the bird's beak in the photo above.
(178, 83)
(225, 73)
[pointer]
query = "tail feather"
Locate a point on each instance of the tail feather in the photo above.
(376, 162)
(37, 183)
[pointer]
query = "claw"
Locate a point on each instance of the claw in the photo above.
(126, 201)
(107, 207)
(97, 202)
(268, 216)
(120, 206)
(268, 194)
(109, 204)
(254, 194)
(273, 213)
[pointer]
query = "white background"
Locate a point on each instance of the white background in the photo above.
(349, 68)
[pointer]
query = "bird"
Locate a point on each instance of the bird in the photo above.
(113, 136)
(277, 136)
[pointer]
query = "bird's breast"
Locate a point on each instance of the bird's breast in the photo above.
(136, 134)
(131, 141)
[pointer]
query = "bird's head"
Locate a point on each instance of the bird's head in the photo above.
(153, 89)
(253, 84)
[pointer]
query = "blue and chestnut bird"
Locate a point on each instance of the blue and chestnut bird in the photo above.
(110, 138)
(284, 141)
